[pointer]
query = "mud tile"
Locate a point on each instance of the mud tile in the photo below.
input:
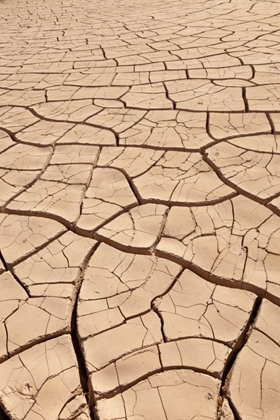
(147, 98)
(108, 194)
(224, 125)
(49, 197)
(108, 103)
(69, 174)
(25, 157)
(250, 171)
(138, 228)
(5, 141)
(48, 316)
(275, 117)
(133, 160)
(86, 80)
(16, 119)
(263, 143)
(22, 98)
(215, 238)
(44, 132)
(85, 134)
(130, 79)
(205, 355)
(266, 74)
(77, 407)
(205, 96)
(220, 73)
(70, 154)
(72, 111)
(46, 373)
(199, 393)
(164, 76)
(56, 264)
(135, 334)
(258, 363)
(267, 321)
(181, 177)
(16, 180)
(117, 119)
(126, 370)
(169, 129)
(263, 98)
(126, 288)
(12, 297)
(21, 235)
(195, 308)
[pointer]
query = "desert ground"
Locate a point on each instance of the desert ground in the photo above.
(139, 210)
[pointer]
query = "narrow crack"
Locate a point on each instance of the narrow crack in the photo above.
(129, 181)
(3, 261)
(156, 301)
(234, 410)
(168, 97)
(11, 271)
(246, 104)
(154, 307)
(273, 130)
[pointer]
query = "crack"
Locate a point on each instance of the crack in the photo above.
(154, 307)
(129, 181)
(240, 344)
(83, 372)
(166, 148)
(3, 261)
(225, 139)
(11, 271)
(122, 388)
(18, 141)
(84, 122)
(234, 410)
(190, 204)
(273, 130)
(218, 281)
(30, 184)
(156, 301)
(246, 104)
(35, 250)
(39, 213)
(168, 97)
(47, 337)
(3, 414)
(235, 187)
(124, 248)
(160, 233)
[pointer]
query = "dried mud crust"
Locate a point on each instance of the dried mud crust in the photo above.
(139, 210)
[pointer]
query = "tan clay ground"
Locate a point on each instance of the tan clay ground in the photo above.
(139, 210)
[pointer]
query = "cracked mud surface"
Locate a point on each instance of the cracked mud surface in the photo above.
(139, 210)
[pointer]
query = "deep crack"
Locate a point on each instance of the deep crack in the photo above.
(77, 345)
(240, 344)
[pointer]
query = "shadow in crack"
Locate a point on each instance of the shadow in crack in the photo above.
(3, 415)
